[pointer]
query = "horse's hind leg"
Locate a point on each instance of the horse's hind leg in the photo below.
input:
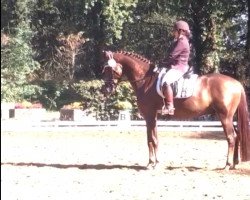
(227, 124)
(236, 149)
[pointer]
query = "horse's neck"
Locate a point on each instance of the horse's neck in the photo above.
(134, 69)
(140, 78)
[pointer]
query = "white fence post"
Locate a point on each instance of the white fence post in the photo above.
(5, 110)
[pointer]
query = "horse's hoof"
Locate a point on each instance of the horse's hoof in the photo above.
(232, 167)
(236, 162)
(151, 166)
(229, 167)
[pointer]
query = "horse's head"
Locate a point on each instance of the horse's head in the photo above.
(112, 71)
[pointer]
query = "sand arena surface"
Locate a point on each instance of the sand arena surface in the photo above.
(110, 165)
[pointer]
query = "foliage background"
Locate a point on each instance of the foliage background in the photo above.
(51, 50)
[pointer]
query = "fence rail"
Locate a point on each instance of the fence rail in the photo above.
(18, 125)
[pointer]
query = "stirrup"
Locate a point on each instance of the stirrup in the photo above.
(167, 111)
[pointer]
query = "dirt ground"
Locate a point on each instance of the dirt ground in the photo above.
(110, 165)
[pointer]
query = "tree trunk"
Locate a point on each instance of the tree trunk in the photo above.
(248, 35)
(248, 56)
(204, 39)
(98, 35)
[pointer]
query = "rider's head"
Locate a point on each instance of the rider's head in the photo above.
(181, 28)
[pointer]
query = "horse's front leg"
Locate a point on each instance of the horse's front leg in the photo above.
(152, 140)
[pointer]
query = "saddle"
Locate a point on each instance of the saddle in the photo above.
(182, 88)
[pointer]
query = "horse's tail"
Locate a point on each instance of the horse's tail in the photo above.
(243, 127)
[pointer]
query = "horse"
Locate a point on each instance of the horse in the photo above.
(212, 94)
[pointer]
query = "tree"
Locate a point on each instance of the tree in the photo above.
(220, 34)
(69, 48)
(248, 33)
(247, 57)
(17, 61)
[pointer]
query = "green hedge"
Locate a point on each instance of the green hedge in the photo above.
(105, 108)
(54, 96)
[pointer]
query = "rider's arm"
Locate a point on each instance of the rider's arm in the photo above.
(178, 52)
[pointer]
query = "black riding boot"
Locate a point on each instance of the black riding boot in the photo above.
(168, 108)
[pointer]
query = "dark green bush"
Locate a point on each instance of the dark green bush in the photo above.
(105, 108)
(55, 95)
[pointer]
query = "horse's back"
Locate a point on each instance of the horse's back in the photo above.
(221, 83)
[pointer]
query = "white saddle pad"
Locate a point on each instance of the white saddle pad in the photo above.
(183, 88)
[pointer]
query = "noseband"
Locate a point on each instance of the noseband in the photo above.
(115, 68)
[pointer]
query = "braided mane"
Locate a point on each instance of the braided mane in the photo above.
(135, 55)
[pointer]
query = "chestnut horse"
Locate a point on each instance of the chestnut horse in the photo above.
(213, 93)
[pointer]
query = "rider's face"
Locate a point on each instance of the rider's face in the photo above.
(175, 34)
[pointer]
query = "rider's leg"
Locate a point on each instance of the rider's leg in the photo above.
(171, 76)
(168, 108)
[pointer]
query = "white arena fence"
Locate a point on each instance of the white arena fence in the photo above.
(123, 125)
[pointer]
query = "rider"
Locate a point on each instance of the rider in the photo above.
(176, 62)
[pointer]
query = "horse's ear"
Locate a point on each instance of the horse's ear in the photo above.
(108, 54)
(105, 53)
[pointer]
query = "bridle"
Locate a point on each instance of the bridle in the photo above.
(116, 68)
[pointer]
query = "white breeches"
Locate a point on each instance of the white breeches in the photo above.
(172, 75)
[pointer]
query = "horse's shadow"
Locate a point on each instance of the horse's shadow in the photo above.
(189, 168)
(135, 167)
(82, 167)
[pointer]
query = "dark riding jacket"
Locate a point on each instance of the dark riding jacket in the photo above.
(178, 55)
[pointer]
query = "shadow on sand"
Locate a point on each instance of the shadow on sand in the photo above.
(136, 167)
(206, 135)
(220, 170)
(189, 168)
(84, 166)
